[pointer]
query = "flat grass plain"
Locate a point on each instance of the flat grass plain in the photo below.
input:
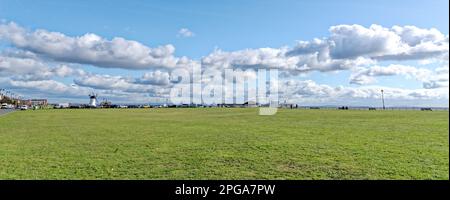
(228, 143)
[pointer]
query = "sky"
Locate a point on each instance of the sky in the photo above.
(329, 52)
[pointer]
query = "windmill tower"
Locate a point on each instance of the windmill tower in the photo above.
(93, 100)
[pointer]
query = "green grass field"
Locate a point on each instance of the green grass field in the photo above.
(213, 143)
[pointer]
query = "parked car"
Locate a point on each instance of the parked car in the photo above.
(4, 106)
(24, 107)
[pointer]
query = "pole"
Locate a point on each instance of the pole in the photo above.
(382, 98)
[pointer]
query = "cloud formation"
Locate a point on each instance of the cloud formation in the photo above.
(304, 90)
(347, 47)
(124, 84)
(91, 49)
(430, 79)
(185, 33)
(377, 43)
(31, 68)
(51, 87)
(37, 60)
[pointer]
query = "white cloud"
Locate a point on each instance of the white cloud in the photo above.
(91, 49)
(31, 68)
(347, 47)
(377, 42)
(430, 79)
(250, 58)
(351, 41)
(279, 59)
(154, 78)
(304, 91)
(147, 84)
(107, 82)
(50, 87)
(439, 80)
(184, 32)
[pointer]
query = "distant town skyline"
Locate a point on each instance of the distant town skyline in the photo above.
(327, 52)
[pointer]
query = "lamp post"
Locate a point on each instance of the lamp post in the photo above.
(382, 99)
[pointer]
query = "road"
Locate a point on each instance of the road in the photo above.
(5, 111)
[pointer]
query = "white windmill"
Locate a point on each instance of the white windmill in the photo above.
(93, 100)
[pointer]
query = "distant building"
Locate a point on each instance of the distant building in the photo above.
(34, 102)
(38, 102)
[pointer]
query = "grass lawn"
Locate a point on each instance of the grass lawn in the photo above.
(214, 143)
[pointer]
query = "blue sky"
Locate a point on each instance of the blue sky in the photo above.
(228, 26)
